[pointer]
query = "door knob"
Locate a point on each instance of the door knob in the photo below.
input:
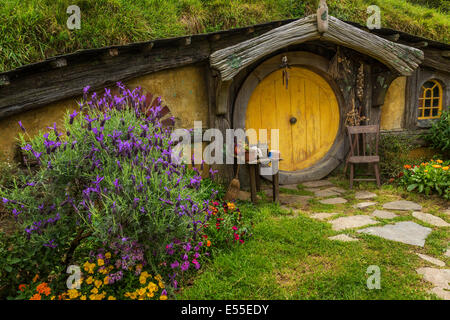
(293, 120)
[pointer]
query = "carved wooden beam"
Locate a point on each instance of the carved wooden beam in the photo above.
(401, 58)
(322, 17)
(393, 37)
(59, 63)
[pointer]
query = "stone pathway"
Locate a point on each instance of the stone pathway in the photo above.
(430, 219)
(440, 278)
(402, 205)
(352, 222)
(343, 237)
(383, 214)
(317, 184)
(406, 232)
(326, 193)
(435, 261)
(364, 195)
(333, 201)
(363, 205)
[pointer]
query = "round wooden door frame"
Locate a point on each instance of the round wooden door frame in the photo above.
(319, 65)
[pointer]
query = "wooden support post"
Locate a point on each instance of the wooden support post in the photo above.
(252, 173)
(276, 187)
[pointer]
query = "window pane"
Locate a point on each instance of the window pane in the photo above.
(435, 102)
(436, 92)
(435, 112)
(426, 113)
(428, 93)
(428, 103)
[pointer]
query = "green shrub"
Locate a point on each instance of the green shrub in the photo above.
(393, 151)
(109, 175)
(439, 134)
(429, 177)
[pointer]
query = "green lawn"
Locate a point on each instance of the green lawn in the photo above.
(290, 257)
(32, 30)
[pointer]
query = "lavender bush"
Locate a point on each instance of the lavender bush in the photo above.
(108, 175)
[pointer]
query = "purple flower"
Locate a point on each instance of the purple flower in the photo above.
(185, 266)
(174, 265)
(72, 116)
(21, 126)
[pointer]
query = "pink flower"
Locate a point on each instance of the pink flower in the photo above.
(235, 228)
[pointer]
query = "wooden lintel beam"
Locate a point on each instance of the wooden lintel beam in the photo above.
(393, 37)
(4, 81)
(114, 52)
(59, 63)
(216, 37)
(421, 44)
(445, 54)
(186, 41)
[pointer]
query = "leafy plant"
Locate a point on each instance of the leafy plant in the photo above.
(394, 153)
(429, 177)
(439, 134)
(109, 174)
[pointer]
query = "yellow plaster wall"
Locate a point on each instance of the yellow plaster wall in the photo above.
(183, 90)
(394, 105)
(33, 121)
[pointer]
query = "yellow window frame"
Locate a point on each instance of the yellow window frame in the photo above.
(432, 99)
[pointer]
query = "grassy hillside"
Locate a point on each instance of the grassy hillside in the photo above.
(31, 30)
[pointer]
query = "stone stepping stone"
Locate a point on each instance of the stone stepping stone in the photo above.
(402, 205)
(447, 253)
(352, 222)
(363, 205)
(432, 260)
(343, 237)
(338, 190)
(441, 293)
(406, 232)
(317, 184)
(312, 189)
(326, 193)
(323, 215)
(447, 212)
(382, 214)
(333, 201)
(440, 278)
(292, 199)
(363, 195)
(430, 219)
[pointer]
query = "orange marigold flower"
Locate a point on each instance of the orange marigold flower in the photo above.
(22, 287)
(437, 166)
(43, 288)
(445, 168)
(35, 278)
(407, 166)
(37, 296)
(439, 161)
(208, 243)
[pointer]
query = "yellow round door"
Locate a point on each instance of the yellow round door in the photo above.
(306, 114)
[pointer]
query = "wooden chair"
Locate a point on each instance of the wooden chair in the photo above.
(364, 142)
